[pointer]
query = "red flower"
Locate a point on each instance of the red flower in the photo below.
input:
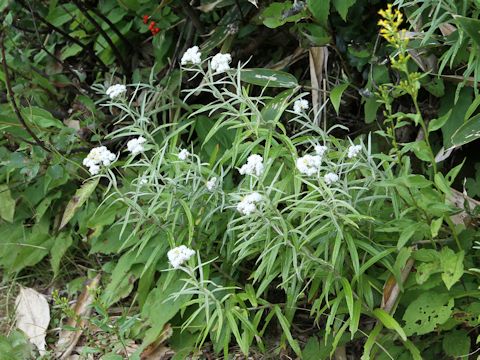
(145, 18)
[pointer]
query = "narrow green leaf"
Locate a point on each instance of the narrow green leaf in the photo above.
(347, 290)
(286, 330)
(389, 322)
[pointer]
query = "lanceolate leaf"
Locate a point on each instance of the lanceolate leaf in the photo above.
(78, 200)
(468, 132)
(268, 78)
(389, 322)
(336, 95)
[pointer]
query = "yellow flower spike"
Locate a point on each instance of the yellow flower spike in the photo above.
(390, 24)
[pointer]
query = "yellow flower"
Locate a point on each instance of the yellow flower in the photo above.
(390, 24)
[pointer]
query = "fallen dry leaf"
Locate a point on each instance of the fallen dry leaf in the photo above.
(68, 338)
(33, 316)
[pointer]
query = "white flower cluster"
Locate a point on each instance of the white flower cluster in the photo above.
(221, 63)
(135, 146)
(309, 164)
(320, 149)
(191, 56)
(96, 157)
(254, 166)
(300, 106)
(353, 151)
(116, 91)
(248, 204)
(211, 184)
(179, 255)
(330, 178)
(183, 154)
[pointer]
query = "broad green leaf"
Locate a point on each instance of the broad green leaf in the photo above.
(3, 4)
(336, 95)
(7, 203)
(452, 266)
(268, 78)
(425, 270)
(70, 50)
(279, 13)
(371, 107)
(457, 108)
(62, 242)
(133, 5)
(342, 7)
(456, 343)
(311, 349)
(389, 322)
(41, 118)
(471, 27)
(468, 132)
(160, 306)
(81, 195)
(314, 33)
(426, 312)
(435, 226)
(320, 10)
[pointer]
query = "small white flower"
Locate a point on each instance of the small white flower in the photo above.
(94, 169)
(220, 62)
(143, 181)
(309, 164)
(354, 150)
(183, 154)
(211, 184)
(116, 90)
(320, 150)
(254, 166)
(135, 146)
(179, 255)
(248, 205)
(330, 178)
(300, 106)
(191, 56)
(96, 157)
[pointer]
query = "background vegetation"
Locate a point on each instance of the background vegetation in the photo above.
(381, 263)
